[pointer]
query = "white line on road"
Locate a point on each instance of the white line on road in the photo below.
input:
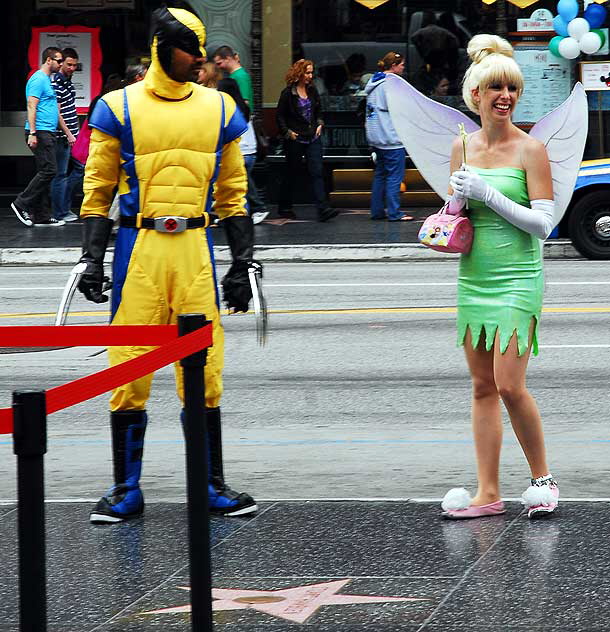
(298, 285)
(333, 499)
(424, 284)
(30, 289)
(574, 346)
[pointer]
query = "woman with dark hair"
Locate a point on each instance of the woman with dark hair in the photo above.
(299, 120)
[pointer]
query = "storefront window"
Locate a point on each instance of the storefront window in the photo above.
(345, 40)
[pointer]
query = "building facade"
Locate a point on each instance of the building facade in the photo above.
(343, 38)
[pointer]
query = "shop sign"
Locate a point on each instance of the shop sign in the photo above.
(371, 4)
(595, 76)
(82, 5)
(522, 4)
(540, 20)
(87, 78)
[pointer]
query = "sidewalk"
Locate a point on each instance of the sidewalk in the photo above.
(325, 566)
(351, 236)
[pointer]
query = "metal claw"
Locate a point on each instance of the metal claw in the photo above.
(259, 302)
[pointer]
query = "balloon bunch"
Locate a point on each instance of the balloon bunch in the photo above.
(577, 35)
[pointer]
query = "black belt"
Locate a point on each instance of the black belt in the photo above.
(168, 223)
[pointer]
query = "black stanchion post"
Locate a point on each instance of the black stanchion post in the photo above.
(196, 440)
(30, 446)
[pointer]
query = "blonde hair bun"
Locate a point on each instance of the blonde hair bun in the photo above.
(480, 46)
(492, 62)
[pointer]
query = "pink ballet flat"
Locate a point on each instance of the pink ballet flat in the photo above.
(476, 511)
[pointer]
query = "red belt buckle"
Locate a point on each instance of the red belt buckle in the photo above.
(170, 224)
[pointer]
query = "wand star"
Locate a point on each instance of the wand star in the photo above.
(293, 604)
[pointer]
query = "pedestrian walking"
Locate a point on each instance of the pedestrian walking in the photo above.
(163, 264)
(299, 120)
(61, 186)
(134, 73)
(390, 156)
(247, 146)
(500, 285)
(209, 75)
(228, 61)
(33, 205)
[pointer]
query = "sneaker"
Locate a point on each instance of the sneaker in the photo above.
(23, 216)
(226, 502)
(541, 498)
(70, 217)
(118, 505)
(257, 218)
(327, 213)
(51, 222)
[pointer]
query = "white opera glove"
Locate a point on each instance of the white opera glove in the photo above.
(469, 184)
(456, 204)
(539, 220)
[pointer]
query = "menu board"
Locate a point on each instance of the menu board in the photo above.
(595, 75)
(548, 82)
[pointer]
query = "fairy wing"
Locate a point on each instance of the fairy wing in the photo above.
(564, 132)
(426, 128)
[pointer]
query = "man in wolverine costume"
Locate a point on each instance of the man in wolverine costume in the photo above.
(172, 147)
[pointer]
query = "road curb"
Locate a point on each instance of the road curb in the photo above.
(302, 253)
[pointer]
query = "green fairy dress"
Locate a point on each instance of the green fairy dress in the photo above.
(500, 282)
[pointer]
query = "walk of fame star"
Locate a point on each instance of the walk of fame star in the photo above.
(282, 221)
(293, 604)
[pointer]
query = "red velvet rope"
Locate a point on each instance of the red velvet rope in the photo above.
(85, 388)
(88, 336)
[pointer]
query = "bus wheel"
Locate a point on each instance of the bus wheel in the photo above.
(589, 225)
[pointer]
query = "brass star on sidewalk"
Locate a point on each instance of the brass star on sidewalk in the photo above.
(283, 220)
(293, 604)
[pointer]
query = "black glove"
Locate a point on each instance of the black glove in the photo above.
(96, 234)
(236, 288)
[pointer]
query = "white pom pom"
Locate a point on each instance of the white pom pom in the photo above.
(534, 496)
(456, 498)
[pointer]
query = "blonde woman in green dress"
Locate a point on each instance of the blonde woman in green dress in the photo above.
(507, 182)
(515, 198)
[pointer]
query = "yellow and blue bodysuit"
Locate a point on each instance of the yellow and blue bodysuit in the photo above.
(173, 150)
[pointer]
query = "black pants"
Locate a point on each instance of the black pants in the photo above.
(313, 158)
(36, 199)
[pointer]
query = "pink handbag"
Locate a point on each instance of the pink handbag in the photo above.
(80, 149)
(446, 233)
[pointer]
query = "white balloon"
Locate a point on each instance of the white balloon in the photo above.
(590, 43)
(569, 48)
(578, 27)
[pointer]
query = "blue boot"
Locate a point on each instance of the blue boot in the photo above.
(124, 500)
(223, 500)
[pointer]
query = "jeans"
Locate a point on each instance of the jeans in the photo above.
(61, 187)
(313, 158)
(36, 198)
(389, 172)
(75, 180)
(254, 202)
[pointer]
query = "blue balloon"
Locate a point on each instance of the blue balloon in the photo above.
(560, 26)
(567, 9)
(595, 15)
